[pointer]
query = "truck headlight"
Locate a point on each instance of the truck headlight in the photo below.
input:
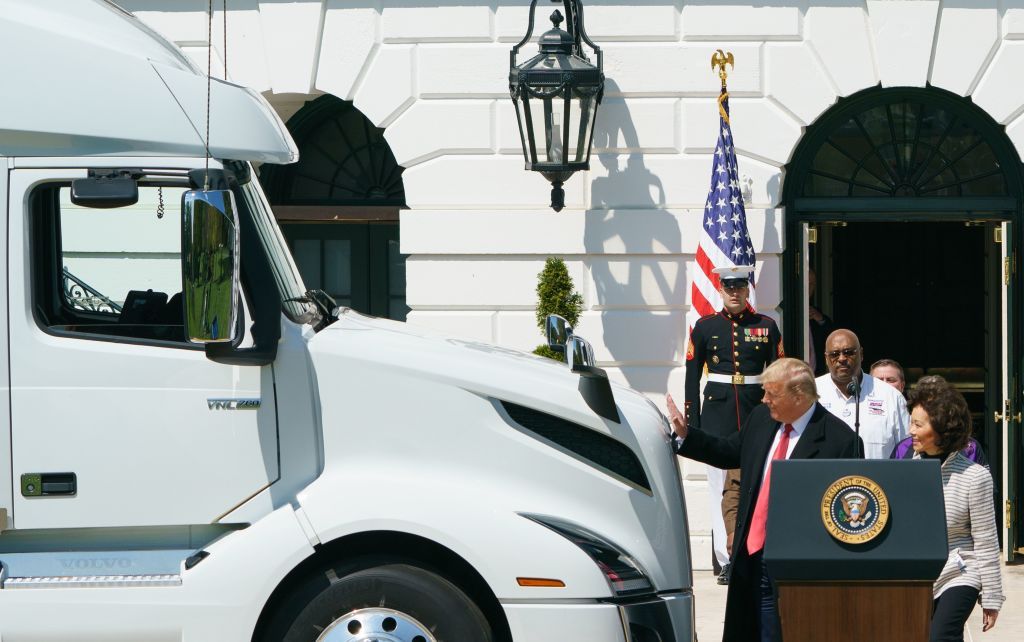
(624, 574)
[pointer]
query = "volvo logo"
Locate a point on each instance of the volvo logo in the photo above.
(233, 404)
(97, 563)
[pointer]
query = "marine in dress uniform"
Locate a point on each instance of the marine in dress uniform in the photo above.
(735, 345)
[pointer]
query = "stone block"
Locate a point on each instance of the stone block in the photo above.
(679, 178)
(653, 381)
(436, 23)
(430, 128)
(185, 25)
(679, 70)
(465, 324)
(1015, 131)
(762, 130)
(635, 337)
(572, 232)
(839, 34)
(463, 71)
(198, 56)
(794, 77)
(968, 34)
(291, 32)
(477, 282)
(507, 127)
(903, 32)
(621, 20)
(628, 281)
(510, 22)
(636, 124)
(719, 22)
(518, 328)
(350, 34)
(700, 121)
(1000, 93)
(387, 89)
(1012, 19)
(483, 181)
(247, 47)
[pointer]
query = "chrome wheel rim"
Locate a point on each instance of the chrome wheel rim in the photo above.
(376, 625)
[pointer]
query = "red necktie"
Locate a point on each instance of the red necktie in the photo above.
(755, 537)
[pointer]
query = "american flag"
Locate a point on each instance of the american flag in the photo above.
(724, 240)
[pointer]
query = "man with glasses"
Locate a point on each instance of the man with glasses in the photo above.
(846, 389)
(734, 345)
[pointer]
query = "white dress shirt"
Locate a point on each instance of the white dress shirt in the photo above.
(884, 421)
(798, 429)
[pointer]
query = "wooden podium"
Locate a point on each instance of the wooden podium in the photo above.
(854, 547)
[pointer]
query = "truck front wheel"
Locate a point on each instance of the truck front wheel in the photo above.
(395, 602)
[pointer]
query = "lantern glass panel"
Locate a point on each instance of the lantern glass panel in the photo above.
(585, 111)
(523, 107)
(562, 128)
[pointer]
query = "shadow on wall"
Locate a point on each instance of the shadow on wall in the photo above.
(633, 248)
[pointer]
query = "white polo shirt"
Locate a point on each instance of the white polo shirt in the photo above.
(884, 421)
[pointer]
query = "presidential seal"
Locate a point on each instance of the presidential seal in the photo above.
(854, 509)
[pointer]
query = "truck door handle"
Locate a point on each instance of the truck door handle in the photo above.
(48, 484)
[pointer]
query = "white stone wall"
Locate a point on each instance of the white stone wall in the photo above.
(478, 228)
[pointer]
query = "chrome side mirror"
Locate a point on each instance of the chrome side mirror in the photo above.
(579, 352)
(558, 332)
(209, 262)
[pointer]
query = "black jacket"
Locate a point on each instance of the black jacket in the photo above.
(825, 437)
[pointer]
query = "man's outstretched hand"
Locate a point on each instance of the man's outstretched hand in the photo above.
(676, 418)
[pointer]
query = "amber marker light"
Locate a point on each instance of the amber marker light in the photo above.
(540, 581)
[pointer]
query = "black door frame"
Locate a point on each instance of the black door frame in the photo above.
(981, 209)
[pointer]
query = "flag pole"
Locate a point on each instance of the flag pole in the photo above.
(720, 59)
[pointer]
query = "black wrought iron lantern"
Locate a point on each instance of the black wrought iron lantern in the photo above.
(556, 94)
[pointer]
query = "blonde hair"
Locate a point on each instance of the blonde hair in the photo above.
(795, 374)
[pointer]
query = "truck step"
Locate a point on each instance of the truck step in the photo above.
(91, 581)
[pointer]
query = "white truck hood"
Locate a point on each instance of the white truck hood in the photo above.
(430, 395)
(483, 368)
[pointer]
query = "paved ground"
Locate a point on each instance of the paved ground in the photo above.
(1009, 628)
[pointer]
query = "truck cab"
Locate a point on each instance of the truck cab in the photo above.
(199, 448)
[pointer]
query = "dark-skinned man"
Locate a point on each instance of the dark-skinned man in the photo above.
(884, 421)
(735, 345)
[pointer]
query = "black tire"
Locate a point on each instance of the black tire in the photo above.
(423, 597)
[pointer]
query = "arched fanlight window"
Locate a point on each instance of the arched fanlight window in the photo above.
(343, 160)
(900, 143)
(338, 208)
(904, 145)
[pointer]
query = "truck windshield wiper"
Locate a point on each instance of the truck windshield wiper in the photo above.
(324, 305)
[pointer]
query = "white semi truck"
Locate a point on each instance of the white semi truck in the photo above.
(214, 453)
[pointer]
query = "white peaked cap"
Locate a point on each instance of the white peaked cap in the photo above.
(734, 271)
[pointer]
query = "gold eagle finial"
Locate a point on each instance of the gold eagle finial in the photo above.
(720, 59)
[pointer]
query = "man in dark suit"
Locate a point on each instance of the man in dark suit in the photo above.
(790, 424)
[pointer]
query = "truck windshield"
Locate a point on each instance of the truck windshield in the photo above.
(285, 273)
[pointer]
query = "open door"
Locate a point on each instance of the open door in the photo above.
(1011, 411)
(808, 235)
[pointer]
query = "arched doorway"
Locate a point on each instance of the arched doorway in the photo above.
(338, 207)
(907, 203)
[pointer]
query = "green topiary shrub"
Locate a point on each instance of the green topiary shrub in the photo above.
(556, 295)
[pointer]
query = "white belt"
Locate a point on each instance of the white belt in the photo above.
(736, 379)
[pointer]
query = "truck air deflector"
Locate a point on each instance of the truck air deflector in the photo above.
(602, 452)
